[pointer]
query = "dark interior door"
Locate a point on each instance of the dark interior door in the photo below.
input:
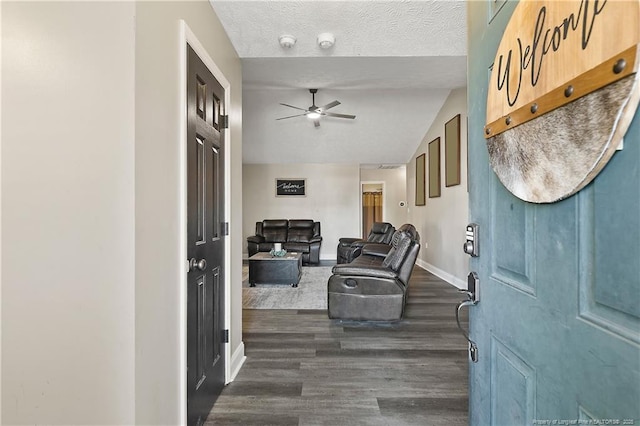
(205, 242)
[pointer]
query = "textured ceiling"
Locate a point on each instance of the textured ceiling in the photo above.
(418, 72)
(377, 135)
(361, 28)
(392, 65)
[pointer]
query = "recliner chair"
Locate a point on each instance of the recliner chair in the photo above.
(350, 248)
(374, 286)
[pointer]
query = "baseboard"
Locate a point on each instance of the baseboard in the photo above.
(456, 282)
(237, 361)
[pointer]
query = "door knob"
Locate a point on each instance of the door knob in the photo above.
(200, 265)
(468, 247)
(471, 243)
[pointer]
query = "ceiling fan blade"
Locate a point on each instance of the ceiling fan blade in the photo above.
(291, 116)
(332, 114)
(316, 122)
(291, 106)
(330, 105)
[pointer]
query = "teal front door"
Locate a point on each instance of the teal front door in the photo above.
(558, 322)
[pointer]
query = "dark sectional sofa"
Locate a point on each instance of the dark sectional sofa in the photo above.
(296, 235)
(373, 287)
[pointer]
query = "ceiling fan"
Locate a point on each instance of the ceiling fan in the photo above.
(315, 112)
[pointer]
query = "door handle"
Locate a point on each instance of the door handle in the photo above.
(472, 300)
(197, 265)
(473, 348)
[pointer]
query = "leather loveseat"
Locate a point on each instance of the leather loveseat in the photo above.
(373, 287)
(296, 235)
(350, 248)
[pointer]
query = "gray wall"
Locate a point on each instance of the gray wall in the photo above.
(68, 301)
(332, 198)
(441, 222)
(91, 209)
(159, 267)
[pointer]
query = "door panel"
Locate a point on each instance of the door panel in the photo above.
(201, 331)
(215, 192)
(199, 190)
(513, 383)
(614, 238)
(205, 244)
(513, 230)
(218, 305)
(558, 322)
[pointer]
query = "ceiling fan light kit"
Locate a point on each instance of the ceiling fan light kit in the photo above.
(315, 112)
(287, 41)
(326, 40)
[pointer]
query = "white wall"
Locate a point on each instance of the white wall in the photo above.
(159, 267)
(395, 191)
(332, 199)
(68, 213)
(441, 222)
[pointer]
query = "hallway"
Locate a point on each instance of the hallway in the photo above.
(304, 369)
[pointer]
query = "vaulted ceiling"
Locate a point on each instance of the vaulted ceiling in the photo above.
(393, 65)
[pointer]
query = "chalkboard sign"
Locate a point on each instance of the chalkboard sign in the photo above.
(287, 187)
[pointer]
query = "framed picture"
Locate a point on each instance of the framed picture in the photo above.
(420, 175)
(452, 152)
(434, 168)
(291, 187)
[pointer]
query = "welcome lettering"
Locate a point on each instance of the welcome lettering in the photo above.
(545, 40)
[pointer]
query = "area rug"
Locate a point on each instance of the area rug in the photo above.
(311, 292)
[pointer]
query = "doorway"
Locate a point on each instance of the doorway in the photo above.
(372, 200)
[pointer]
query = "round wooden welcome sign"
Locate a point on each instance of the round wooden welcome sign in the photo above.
(563, 91)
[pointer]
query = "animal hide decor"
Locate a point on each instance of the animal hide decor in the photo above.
(556, 155)
(563, 92)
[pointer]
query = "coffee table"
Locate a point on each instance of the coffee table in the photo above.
(267, 269)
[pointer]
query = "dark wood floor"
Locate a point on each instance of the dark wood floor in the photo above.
(304, 369)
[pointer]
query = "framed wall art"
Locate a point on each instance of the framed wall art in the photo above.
(420, 176)
(434, 168)
(452, 152)
(291, 187)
